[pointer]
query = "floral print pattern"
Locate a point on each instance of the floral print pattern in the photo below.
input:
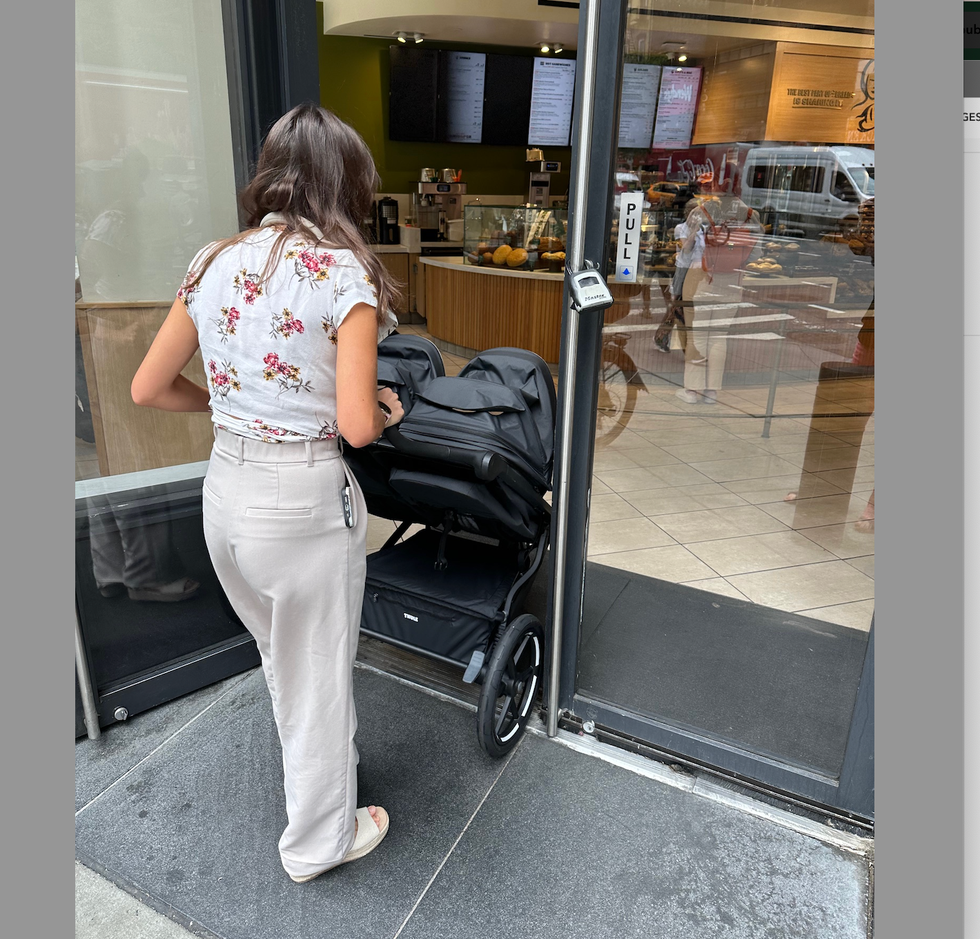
(271, 434)
(328, 429)
(241, 317)
(311, 265)
(285, 324)
(226, 322)
(285, 374)
(225, 379)
(187, 288)
(248, 285)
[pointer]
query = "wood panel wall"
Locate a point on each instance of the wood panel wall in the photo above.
(810, 70)
(484, 311)
(115, 337)
(734, 100)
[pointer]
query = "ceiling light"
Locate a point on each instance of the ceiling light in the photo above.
(400, 36)
(682, 58)
(559, 47)
(418, 37)
(545, 47)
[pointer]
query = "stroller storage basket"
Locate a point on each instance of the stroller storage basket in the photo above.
(447, 612)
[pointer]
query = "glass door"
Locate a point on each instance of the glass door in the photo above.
(724, 526)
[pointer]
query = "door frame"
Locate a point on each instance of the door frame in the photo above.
(852, 792)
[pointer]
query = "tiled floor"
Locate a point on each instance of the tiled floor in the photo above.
(695, 494)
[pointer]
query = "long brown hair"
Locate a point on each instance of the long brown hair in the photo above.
(314, 168)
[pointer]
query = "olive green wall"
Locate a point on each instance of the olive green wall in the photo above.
(354, 85)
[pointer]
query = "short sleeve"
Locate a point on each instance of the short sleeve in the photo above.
(353, 285)
(187, 286)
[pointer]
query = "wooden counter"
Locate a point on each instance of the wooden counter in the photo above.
(482, 308)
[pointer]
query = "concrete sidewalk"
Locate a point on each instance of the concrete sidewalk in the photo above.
(178, 812)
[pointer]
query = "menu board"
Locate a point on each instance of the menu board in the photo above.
(413, 92)
(465, 75)
(641, 84)
(678, 102)
(552, 91)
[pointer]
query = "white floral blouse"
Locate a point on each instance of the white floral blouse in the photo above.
(270, 346)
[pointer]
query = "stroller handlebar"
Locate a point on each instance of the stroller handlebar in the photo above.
(485, 464)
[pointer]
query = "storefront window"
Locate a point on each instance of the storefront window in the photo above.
(734, 468)
(154, 181)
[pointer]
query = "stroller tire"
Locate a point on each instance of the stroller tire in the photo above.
(511, 683)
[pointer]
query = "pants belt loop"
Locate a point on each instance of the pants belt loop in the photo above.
(309, 452)
(241, 451)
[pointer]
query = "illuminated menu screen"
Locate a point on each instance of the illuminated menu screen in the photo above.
(552, 91)
(641, 84)
(466, 72)
(678, 102)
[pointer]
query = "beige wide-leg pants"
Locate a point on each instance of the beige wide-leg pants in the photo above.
(706, 349)
(294, 573)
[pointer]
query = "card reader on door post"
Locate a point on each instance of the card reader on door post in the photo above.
(589, 291)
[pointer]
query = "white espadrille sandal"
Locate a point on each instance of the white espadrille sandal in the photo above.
(368, 837)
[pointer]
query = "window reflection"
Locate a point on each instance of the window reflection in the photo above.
(736, 399)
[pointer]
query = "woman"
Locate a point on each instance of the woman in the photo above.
(288, 315)
(706, 345)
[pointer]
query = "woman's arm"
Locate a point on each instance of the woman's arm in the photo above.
(359, 418)
(158, 382)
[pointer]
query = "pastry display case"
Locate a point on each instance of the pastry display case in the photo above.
(510, 237)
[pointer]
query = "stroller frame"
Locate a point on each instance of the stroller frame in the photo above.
(453, 591)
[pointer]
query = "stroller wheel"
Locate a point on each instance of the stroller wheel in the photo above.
(512, 680)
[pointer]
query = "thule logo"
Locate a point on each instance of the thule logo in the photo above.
(414, 619)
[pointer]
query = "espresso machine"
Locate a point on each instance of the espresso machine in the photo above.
(539, 181)
(440, 200)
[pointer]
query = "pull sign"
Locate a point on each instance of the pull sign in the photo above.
(628, 246)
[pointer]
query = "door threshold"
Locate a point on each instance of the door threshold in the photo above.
(703, 784)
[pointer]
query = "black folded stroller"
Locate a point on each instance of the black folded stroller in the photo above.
(471, 462)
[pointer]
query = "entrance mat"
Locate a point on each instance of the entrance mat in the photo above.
(192, 829)
(771, 682)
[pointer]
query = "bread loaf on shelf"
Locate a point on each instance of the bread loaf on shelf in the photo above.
(500, 255)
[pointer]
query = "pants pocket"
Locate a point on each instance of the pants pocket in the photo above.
(256, 512)
(209, 493)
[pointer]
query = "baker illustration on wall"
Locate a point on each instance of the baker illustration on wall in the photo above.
(866, 106)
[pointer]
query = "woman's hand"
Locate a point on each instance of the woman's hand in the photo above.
(387, 397)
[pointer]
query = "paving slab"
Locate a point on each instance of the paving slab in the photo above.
(570, 847)
(194, 827)
(100, 762)
(549, 843)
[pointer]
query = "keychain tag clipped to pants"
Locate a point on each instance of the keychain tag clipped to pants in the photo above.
(347, 501)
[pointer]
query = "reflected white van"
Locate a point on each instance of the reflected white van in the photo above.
(805, 190)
